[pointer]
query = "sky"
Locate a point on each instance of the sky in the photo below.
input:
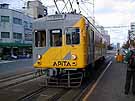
(115, 13)
(106, 13)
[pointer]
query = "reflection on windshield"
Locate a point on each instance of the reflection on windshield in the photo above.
(72, 36)
(40, 38)
(56, 37)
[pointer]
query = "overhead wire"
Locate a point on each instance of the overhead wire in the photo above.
(65, 6)
(85, 6)
(88, 2)
(56, 6)
(81, 8)
(78, 6)
(70, 5)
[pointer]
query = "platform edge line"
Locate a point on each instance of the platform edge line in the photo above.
(95, 84)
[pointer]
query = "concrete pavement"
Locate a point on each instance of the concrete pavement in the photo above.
(111, 85)
(14, 67)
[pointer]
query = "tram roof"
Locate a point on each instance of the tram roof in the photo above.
(60, 17)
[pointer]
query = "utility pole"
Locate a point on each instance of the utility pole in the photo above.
(129, 37)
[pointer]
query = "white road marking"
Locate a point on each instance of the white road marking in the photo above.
(2, 62)
(95, 84)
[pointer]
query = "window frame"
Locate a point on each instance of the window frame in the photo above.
(37, 42)
(17, 21)
(60, 34)
(6, 33)
(30, 25)
(71, 36)
(5, 20)
(25, 24)
(17, 36)
(27, 36)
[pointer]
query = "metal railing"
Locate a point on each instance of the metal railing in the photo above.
(68, 80)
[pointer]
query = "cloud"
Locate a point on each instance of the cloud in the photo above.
(118, 6)
(115, 13)
(114, 18)
(15, 4)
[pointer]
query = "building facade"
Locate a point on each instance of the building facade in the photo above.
(104, 33)
(35, 9)
(107, 37)
(15, 32)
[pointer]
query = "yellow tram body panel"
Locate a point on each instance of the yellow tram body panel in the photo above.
(54, 56)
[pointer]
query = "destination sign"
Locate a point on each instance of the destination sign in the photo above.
(56, 31)
(56, 17)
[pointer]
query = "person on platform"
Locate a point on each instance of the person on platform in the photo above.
(130, 75)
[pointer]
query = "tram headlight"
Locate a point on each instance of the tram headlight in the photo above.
(39, 56)
(74, 57)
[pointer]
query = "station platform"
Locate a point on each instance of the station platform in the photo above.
(111, 86)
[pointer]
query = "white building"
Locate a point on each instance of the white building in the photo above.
(35, 9)
(104, 33)
(107, 37)
(15, 31)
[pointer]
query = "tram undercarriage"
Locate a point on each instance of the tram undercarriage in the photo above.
(67, 78)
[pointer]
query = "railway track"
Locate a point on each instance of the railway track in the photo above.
(14, 80)
(34, 91)
(15, 77)
(45, 94)
(31, 94)
(61, 94)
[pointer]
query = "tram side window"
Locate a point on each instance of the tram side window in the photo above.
(56, 37)
(72, 36)
(40, 38)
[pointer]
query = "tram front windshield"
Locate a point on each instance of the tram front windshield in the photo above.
(72, 36)
(55, 37)
(40, 38)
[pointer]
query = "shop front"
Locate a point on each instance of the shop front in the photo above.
(15, 50)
